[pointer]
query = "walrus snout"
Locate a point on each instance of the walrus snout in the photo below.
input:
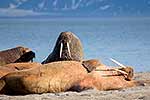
(66, 41)
(65, 49)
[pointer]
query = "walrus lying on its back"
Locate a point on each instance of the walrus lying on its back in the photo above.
(104, 80)
(59, 77)
(67, 47)
(14, 55)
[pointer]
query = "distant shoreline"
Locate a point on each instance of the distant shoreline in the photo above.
(85, 17)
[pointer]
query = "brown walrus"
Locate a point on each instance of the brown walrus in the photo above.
(104, 81)
(94, 64)
(52, 77)
(59, 77)
(4, 71)
(67, 47)
(16, 67)
(14, 55)
(22, 66)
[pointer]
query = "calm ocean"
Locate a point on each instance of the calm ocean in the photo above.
(124, 39)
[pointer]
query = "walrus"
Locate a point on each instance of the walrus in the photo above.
(4, 71)
(104, 81)
(17, 54)
(16, 67)
(67, 48)
(60, 76)
(52, 77)
(95, 64)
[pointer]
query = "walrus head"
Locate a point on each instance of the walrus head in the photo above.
(17, 54)
(26, 56)
(68, 47)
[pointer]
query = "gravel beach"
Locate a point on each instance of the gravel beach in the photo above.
(135, 93)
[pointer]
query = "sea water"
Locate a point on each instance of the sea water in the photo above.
(125, 39)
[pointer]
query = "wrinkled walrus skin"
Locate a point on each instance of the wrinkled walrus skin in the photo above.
(96, 80)
(59, 77)
(5, 70)
(52, 77)
(22, 66)
(67, 47)
(106, 80)
(14, 55)
(16, 67)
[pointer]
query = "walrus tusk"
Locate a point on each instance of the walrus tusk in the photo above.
(107, 75)
(68, 49)
(116, 62)
(112, 69)
(61, 47)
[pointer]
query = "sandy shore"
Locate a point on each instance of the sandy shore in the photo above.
(135, 93)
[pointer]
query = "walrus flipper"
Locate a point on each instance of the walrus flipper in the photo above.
(91, 64)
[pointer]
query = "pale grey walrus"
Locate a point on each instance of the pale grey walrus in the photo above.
(67, 47)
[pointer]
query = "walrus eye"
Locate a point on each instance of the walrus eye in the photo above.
(68, 47)
(61, 47)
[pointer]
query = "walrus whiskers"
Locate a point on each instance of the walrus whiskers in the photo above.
(68, 47)
(61, 47)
